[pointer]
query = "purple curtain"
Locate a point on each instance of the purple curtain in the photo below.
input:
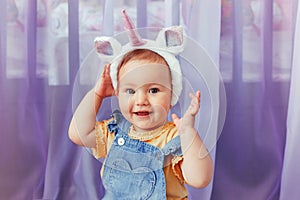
(290, 172)
(256, 58)
(44, 43)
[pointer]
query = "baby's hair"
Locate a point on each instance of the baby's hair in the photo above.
(142, 54)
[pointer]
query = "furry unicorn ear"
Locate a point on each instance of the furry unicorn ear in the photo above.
(107, 48)
(172, 39)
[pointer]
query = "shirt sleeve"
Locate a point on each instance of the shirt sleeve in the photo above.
(176, 163)
(101, 134)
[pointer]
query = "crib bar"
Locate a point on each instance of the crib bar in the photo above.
(141, 14)
(108, 18)
(172, 12)
(237, 39)
(267, 40)
(31, 39)
(74, 59)
(2, 41)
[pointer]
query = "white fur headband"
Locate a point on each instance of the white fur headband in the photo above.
(169, 43)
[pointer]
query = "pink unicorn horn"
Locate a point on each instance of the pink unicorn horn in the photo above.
(133, 35)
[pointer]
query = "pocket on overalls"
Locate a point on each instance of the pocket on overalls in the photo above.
(137, 183)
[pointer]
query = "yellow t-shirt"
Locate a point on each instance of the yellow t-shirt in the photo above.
(160, 137)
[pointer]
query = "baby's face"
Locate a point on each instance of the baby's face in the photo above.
(144, 93)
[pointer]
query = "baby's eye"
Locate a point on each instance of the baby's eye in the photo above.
(130, 91)
(153, 90)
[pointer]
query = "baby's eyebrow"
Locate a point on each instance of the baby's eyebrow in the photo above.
(127, 85)
(158, 84)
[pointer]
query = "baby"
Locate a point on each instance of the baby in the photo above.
(146, 157)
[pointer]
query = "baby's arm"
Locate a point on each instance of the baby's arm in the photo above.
(82, 126)
(197, 166)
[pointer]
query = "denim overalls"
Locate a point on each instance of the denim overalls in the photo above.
(133, 169)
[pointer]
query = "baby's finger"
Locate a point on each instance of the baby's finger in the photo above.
(175, 119)
(198, 94)
(107, 69)
(195, 103)
(103, 71)
(195, 98)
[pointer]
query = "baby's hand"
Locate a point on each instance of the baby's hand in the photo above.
(188, 119)
(104, 87)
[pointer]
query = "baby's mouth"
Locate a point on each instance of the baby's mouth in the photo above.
(142, 113)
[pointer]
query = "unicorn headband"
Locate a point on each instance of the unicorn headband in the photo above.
(169, 43)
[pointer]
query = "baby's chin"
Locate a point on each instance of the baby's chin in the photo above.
(147, 127)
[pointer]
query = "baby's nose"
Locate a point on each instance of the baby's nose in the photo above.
(141, 98)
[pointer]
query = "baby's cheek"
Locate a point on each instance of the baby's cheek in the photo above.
(161, 109)
(125, 103)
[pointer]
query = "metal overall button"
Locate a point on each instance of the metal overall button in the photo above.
(121, 141)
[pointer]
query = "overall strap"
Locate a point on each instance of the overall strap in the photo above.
(120, 122)
(173, 147)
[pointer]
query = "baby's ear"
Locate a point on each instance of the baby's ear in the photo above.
(107, 48)
(172, 38)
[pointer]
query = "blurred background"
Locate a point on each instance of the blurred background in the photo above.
(43, 43)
